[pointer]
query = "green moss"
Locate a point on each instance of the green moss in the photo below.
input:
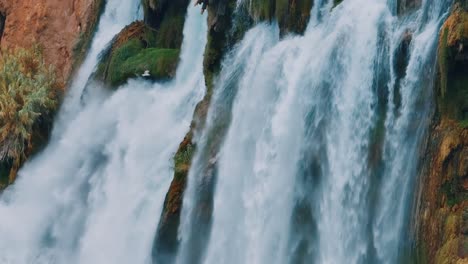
(151, 45)
(293, 16)
(454, 191)
(263, 9)
(452, 65)
(211, 58)
(170, 33)
(129, 62)
(464, 123)
(443, 60)
(183, 160)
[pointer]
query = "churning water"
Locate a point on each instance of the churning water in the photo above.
(95, 193)
(320, 157)
(316, 151)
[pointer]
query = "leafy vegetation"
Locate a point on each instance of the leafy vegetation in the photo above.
(29, 94)
(183, 160)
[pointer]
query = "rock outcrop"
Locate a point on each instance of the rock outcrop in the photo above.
(220, 17)
(61, 27)
(61, 30)
(292, 16)
(442, 213)
(135, 53)
(404, 6)
(148, 48)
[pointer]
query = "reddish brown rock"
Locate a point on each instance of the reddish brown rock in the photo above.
(56, 25)
(443, 211)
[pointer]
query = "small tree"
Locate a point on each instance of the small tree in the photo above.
(29, 92)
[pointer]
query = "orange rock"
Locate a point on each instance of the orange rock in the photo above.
(56, 25)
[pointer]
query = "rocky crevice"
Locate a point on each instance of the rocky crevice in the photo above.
(2, 25)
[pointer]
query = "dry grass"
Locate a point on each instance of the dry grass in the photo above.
(29, 91)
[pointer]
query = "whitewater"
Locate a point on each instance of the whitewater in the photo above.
(95, 193)
(320, 157)
(309, 154)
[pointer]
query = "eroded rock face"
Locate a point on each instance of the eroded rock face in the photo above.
(292, 16)
(56, 25)
(442, 213)
(157, 10)
(62, 29)
(405, 6)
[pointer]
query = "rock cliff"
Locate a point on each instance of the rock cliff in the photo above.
(442, 212)
(61, 27)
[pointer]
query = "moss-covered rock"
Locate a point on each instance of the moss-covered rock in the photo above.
(442, 215)
(166, 242)
(405, 6)
(150, 46)
(453, 66)
(134, 51)
(166, 16)
(442, 224)
(292, 16)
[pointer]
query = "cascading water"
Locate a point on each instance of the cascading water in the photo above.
(311, 145)
(320, 156)
(94, 194)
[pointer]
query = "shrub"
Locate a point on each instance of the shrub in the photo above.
(29, 93)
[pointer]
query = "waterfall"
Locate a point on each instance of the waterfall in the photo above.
(321, 150)
(309, 153)
(95, 193)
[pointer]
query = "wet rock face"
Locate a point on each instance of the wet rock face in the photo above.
(135, 53)
(405, 6)
(443, 212)
(292, 16)
(442, 216)
(56, 25)
(157, 10)
(453, 66)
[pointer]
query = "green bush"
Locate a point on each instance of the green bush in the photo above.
(29, 93)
